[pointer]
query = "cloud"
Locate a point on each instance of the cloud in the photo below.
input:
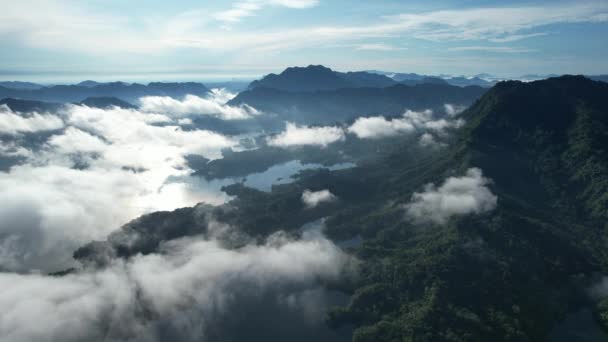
(378, 47)
(303, 135)
(105, 168)
(498, 49)
(193, 290)
(52, 26)
(248, 8)
(516, 37)
(379, 127)
(428, 140)
(313, 198)
(214, 105)
(452, 110)
(14, 123)
(457, 196)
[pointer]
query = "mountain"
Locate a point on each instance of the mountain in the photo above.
(317, 77)
(515, 273)
(603, 78)
(462, 81)
(20, 85)
(25, 106)
(106, 102)
(519, 272)
(347, 103)
(425, 80)
(123, 91)
(89, 83)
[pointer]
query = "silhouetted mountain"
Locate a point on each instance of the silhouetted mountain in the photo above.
(466, 81)
(461, 81)
(20, 85)
(425, 80)
(120, 90)
(106, 102)
(25, 106)
(347, 103)
(89, 83)
(318, 77)
(401, 77)
(603, 78)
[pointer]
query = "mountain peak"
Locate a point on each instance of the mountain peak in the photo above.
(318, 78)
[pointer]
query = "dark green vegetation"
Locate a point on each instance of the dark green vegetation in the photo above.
(508, 275)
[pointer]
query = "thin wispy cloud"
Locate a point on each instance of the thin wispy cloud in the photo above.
(66, 26)
(248, 8)
(497, 49)
(378, 47)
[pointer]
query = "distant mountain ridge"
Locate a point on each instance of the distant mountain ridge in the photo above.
(25, 106)
(120, 90)
(329, 106)
(318, 77)
(20, 85)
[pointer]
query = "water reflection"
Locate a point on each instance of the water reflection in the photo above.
(198, 189)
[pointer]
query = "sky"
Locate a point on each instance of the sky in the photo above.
(70, 40)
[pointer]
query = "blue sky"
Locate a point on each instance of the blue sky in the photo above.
(66, 40)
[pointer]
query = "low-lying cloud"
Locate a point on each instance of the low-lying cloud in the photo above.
(379, 127)
(304, 135)
(105, 168)
(193, 290)
(12, 123)
(214, 105)
(313, 198)
(468, 194)
(411, 121)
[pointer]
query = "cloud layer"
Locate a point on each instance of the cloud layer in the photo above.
(457, 196)
(213, 105)
(194, 290)
(105, 168)
(12, 123)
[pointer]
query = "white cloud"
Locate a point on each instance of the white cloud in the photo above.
(516, 37)
(313, 198)
(107, 167)
(214, 105)
(378, 47)
(455, 197)
(428, 140)
(248, 8)
(14, 123)
(303, 135)
(74, 140)
(379, 127)
(452, 110)
(52, 25)
(500, 49)
(193, 290)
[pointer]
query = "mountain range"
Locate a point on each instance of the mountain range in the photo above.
(123, 91)
(513, 272)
